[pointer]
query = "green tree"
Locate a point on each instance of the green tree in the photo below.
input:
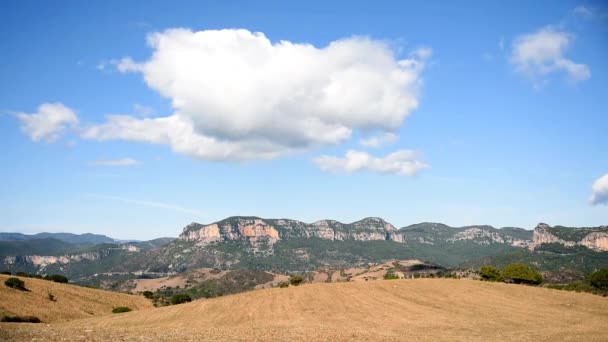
(296, 280)
(390, 275)
(148, 294)
(490, 273)
(599, 279)
(521, 274)
(121, 309)
(180, 298)
(15, 283)
(58, 278)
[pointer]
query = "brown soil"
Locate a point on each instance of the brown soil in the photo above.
(71, 302)
(413, 310)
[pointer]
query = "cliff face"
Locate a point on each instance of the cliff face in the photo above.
(258, 231)
(595, 238)
(42, 261)
(255, 230)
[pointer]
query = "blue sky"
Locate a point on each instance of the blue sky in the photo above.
(475, 112)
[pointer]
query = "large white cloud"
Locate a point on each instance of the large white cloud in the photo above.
(541, 53)
(236, 95)
(402, 162)
(49, 122)
(600, 191)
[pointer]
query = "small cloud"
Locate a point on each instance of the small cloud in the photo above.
(49, 122)
(539, 54)
(501, 43)
(402, 163)
(377, 141)
(127, 64)
(600, 191)
(142, 110)
(101, 66)
(116, 162)
(583, 11)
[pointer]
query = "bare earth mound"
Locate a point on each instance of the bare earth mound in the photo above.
(413, 310)
(70, 302)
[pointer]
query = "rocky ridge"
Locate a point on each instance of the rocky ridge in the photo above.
(259, 232)
(595, 238)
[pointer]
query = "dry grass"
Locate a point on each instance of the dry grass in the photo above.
(71, 302)
(413, 310)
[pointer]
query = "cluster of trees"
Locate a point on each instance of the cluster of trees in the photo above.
(596, 282)
(514, 273)
(58, 278)
(160, 300)
(294, 280)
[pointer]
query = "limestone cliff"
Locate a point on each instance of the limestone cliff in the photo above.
(258, 231)
(595, 238)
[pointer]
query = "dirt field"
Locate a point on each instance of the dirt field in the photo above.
(71, 302)
(413, 310)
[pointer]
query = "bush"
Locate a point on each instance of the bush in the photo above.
(599, 279)
(121, 309)
(283, 284)
(148, 294)
(52, 297)
(56, 278)
(521, 274)
(490, 273)
(5, 272)
(296, 280)
(390, 276)
(180, 298)
(15, 283)
(20, 319)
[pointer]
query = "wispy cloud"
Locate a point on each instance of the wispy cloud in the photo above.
(115, 162)
(167, 206)
(380, 140)
(541, 53)
(401, 162)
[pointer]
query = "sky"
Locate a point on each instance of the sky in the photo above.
(133, 119)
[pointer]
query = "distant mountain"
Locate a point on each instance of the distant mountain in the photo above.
(285, 246)
(46, 246)
(557, 248)
(595, 238)
(66, 237)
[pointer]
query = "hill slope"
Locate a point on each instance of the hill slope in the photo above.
(421, 309)
(72, 302)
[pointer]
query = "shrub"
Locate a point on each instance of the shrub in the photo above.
(5, 272)
(599, 279)
(283, 284)
(15, 283)
(20, 319)
(521, 274)
(180, 298)
(390, 276)
(148, 294)
(296, 280)
(56, 278)
(52, 297)
(490, 273)
(121, 309)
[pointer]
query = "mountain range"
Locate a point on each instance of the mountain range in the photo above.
(286, 246)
